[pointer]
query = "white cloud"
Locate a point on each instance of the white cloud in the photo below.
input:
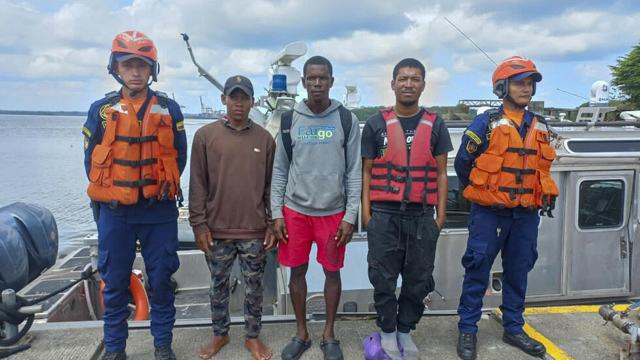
(593, 71)
(364, 40)
(247, 62)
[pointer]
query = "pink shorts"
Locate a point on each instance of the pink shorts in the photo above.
(303, 231)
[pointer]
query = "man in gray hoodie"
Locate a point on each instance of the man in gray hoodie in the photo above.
(315, 193)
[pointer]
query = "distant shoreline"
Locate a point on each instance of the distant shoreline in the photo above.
(47, 113)
(72, 113)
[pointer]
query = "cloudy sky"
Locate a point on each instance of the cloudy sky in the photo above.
(53, 53)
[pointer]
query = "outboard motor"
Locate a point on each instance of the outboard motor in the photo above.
(28, 244)
(14, 264)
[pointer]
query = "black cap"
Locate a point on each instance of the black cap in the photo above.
(238, 82)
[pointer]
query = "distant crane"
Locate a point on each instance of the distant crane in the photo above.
(206, 111)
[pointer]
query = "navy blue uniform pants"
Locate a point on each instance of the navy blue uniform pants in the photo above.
(116, 253)
(401, 245)
(490, 232)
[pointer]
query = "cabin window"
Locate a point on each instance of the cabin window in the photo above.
(601, 204)
(458, 206)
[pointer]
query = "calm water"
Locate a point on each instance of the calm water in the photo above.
(41, 160)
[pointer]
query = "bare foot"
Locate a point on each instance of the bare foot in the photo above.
(258, 349)
(212, 347)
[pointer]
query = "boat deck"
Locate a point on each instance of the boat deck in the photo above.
(568, 333)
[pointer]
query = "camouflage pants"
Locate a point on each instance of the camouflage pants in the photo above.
(220, 259)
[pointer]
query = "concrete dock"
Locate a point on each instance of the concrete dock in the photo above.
(568, 333)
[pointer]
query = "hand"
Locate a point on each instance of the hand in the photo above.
(270, 240)
(365, 219)
(440, 221)
(203, 241)
(280, 228)
(344, 233)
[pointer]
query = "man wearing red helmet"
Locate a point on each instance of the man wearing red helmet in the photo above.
(135, 150)
(503, 164)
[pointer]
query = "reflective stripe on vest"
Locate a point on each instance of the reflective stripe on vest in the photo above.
(395, 176)
(513, 172)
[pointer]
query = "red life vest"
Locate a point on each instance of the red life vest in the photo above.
(398, 177)
(134, 156)
(513, 172)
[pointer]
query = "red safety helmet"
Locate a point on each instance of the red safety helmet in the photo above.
(514, 68)
(130, 44)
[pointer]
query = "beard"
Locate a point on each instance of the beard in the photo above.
(408, 103)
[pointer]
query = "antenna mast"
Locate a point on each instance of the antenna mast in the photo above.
(468, 38)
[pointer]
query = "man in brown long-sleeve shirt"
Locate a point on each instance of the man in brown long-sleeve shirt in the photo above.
(229, 207)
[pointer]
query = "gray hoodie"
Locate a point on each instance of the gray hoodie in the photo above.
(319, 181)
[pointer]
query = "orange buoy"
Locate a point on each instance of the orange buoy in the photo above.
(139, 298)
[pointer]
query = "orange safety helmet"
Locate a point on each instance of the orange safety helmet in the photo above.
(130, 44)
(514, 68)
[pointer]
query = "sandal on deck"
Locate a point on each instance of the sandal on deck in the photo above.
(331, 350)
(294, 350)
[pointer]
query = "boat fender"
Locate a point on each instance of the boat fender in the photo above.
(139, 298)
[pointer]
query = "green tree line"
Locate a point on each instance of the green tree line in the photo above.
(626, 78)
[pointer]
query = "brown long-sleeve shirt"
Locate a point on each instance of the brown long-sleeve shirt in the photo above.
(230, 181)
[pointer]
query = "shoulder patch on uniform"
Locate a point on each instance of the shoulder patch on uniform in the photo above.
(475, 137)
(180, 125)
(86, 143)
(86, 131)
(471, 147)
(102, 109)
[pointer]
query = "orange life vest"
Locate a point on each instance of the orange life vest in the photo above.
(514, 173)
(134, 156)
(398, 177)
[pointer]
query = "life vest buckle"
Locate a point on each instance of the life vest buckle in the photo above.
(548, 204)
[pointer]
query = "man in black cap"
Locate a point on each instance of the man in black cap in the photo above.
(229, 211)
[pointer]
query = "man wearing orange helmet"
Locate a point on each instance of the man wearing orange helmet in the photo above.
(135, 150)
(503, 163)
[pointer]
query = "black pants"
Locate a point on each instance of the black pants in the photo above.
(401, 245)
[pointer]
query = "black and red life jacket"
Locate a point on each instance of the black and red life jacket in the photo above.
(397, 176)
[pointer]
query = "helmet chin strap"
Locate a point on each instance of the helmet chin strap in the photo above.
(508, 97)
(136, 92)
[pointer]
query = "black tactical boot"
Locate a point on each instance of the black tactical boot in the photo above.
(525, 343)
(110, 355)
(467, 346)
(164, 353)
